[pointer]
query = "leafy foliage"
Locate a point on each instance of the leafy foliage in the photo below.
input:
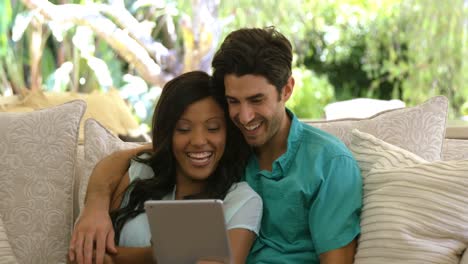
(402, 49)
(422, 51)
(310, 95)
(409, 50)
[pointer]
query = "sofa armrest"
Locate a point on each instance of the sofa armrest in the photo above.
(457, 132)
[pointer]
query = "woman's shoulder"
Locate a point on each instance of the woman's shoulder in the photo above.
(243, 207)
(243, 188)
(241, 192)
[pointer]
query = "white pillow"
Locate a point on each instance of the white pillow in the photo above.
(419, 129)
(414, 211)
(37, 161)
(98, 143)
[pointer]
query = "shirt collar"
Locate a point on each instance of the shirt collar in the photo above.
(294, 140)
(281, 165)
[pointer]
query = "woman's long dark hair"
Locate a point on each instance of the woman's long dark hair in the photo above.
(176, 96)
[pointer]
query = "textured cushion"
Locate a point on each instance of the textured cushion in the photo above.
(99, 143)
(414, 211)
(6, 254)
(455, 149)
(37, 161)
(419, 129)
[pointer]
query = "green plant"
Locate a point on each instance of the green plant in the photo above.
(464, 109)
(311, 94)
(420, 47)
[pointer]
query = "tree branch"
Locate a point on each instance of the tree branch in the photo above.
(118, 39)
(140, 32)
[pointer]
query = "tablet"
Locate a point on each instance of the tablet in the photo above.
(184, 231)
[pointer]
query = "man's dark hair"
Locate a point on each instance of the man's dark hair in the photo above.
(258, 51)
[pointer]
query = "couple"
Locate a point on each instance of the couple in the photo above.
(309, 182)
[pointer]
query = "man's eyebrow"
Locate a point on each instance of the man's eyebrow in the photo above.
(255, 96)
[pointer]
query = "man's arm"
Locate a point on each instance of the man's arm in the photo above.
(335, 231)
(107, 175)
(132, 255)
(94, 227)
(344, 255)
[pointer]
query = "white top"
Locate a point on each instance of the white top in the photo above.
(242, 209)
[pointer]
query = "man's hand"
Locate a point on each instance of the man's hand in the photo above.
(108, 259)
(93, 235)
(94, 231)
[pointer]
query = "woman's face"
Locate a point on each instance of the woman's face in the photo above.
(198, 140)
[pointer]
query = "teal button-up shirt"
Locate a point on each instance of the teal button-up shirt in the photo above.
(311, 198)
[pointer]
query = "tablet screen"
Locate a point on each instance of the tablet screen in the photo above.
(184, 231)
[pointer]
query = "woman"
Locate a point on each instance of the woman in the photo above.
(197, 153)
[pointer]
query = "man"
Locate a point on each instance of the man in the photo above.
(309, 182)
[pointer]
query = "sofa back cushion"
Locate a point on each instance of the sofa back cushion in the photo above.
(6, 254)
(419, 129)
(455, 149)
(414, 211)
(37, 161)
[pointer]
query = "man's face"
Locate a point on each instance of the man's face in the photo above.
(256, 107)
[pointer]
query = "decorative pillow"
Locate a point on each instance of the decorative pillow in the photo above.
(455, 149)
(419, 129)
(99, 143)
(6, 254)
(37, 161)
(414, 211)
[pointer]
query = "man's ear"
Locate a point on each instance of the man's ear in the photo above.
(288, 89)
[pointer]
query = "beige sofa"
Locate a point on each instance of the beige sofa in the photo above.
(44, 170)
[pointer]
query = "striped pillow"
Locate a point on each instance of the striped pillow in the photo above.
(414, 211)
(6, 254)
